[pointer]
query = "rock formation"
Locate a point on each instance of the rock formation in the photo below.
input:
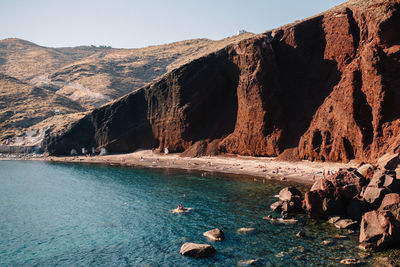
(326, 87)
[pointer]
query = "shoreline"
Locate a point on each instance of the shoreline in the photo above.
(262, 168)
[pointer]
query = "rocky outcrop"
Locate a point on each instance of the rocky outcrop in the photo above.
(325, 86)
(335, 194)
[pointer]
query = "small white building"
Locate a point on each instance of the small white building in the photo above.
(239, 32)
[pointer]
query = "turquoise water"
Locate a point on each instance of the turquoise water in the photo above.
(55, 214)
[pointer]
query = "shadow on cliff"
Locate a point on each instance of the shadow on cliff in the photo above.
(306, 78)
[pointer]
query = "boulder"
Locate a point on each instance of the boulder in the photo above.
(374, 195)
(289, 194)
(197, 250)
(391, 202)
(215, 234)
(320, 203)
(348, 176)
(333, 194)
(380, 228)
(346, 224)
(385, 179)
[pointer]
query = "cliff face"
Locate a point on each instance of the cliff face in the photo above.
(327, 87)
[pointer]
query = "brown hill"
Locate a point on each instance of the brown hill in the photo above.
(22, 105)
(327, 87)
(25, 60)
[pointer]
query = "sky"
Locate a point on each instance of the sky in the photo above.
(135, 23)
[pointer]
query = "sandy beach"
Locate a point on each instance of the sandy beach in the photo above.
(260, 168)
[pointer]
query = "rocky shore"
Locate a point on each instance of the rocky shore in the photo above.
(366, 198)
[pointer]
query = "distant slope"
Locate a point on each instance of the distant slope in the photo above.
(22, 105)
(25, 60)
(104, 76)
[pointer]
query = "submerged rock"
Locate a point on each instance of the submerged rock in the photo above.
(243, 263)
(245, 230)
(197, 250)
(215, 234)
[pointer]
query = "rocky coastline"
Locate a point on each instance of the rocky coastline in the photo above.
(366, 199)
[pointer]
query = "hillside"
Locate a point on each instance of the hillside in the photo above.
(104, 76)
(25, 60)
(81, 78)
(324, 88)
(23, 105)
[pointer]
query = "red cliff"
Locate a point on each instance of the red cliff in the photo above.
(327, 88)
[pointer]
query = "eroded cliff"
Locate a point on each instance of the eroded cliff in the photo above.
(327, 88)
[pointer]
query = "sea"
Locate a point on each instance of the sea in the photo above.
(67, 214)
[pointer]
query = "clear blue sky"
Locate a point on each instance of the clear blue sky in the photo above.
(134, 23)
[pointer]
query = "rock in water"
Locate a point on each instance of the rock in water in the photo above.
(243, 263)
(245, 230)
(197, 250)
(215, 234)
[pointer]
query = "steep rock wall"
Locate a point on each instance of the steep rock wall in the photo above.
(328, 87)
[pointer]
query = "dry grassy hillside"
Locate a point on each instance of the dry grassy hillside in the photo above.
(23, 105)
(25, 60)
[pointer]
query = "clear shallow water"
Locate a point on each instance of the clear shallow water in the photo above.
(86, 215)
